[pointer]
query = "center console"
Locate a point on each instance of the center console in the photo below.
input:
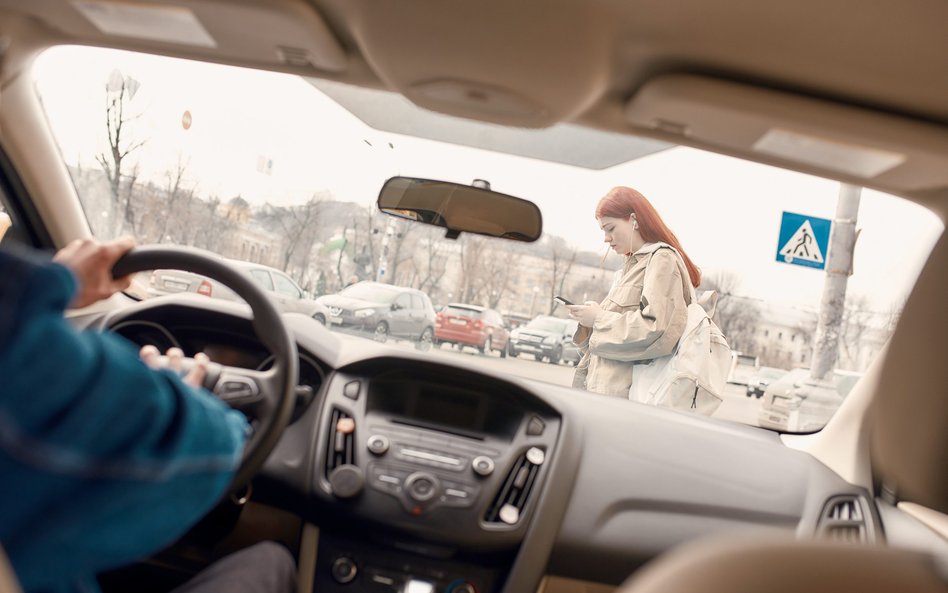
(432, 481)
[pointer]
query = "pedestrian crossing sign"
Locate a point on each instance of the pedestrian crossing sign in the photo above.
(803, 240)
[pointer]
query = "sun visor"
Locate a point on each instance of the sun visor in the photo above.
(286, 33)
(798, 132)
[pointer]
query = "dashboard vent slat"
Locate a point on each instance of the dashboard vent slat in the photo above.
(511, 499)
(844, 520)
(340, 450)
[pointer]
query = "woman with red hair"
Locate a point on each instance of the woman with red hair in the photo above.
(644, 314)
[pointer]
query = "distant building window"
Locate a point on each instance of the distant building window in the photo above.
(793, 338)
(766, 333)
(803, 357)
(763, 350)
(779, 335)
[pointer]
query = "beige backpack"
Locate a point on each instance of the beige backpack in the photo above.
(693, 376)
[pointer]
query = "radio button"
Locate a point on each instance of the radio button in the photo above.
(378, 444)
(482, 465)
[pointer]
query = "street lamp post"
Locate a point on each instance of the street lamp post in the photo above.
(533, 303)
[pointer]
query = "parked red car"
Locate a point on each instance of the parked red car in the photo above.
(472, 325)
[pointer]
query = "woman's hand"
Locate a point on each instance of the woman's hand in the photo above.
(91, 262)
(586, 313)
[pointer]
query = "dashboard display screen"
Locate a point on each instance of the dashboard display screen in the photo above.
(460, 410)
(444, 407)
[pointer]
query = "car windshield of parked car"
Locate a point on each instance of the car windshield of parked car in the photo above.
(284, 171)
(367, 292)
(549, 325)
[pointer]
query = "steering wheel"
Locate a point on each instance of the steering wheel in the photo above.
(266, 397)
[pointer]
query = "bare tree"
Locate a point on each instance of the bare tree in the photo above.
(857, 320)
(737, 317)
(120, 90)
(434, 262)
(470, 284)
(298, 228)
(563, 256)
(174, 180)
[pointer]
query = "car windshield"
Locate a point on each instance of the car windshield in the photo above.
(549, 325)
(369, 292)
(284, 171)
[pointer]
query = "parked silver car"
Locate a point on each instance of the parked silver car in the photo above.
(288, 296)
(382, 311)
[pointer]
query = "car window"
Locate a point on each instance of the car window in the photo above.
(277, 190)
(547, 324)
(285, 286)
(263, 278)
(461, 311)
(371, 292)
(404, 301)
(417, 302)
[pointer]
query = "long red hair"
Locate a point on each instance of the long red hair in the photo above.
(623, 202)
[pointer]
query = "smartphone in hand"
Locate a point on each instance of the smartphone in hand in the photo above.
(562, 300)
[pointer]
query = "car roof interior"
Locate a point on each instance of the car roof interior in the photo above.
(862, 85)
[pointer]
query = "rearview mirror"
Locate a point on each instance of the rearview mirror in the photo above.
(461, 208)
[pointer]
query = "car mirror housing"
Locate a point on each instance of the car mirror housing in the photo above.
(461, 208)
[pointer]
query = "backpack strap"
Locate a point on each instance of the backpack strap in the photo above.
(687, 289)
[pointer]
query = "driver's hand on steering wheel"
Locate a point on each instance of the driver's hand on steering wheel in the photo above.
(91, 263)
(174, 361)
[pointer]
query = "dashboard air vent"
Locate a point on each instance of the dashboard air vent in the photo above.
(844, 520)
(341, 445)
(508, 505)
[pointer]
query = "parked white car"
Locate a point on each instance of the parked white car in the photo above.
(287, 294)
(783, 407)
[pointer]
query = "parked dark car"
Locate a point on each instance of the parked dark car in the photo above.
(288, 296)
(472, 325)
(545, 337)
(382, 311)
(765, 376)
(515, 320)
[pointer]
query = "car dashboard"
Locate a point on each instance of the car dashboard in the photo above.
(401, 467)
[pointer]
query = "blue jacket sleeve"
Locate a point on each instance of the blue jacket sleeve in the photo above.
(106, 459)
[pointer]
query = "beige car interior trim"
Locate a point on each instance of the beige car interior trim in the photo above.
(745, 564)
(937, 522)
(555, 584)
(909, 443)
(843, 444)
(306, 568)
(744, 119)
(38, 160)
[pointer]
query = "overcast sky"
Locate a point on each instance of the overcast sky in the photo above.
(726, 212)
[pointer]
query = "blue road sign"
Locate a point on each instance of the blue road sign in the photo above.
(803, 240)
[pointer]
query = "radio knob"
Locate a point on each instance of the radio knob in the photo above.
(378, 444)
(421, 486)
(482, 465)
(344, 570)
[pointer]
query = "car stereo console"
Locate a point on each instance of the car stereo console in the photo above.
(447, 471)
